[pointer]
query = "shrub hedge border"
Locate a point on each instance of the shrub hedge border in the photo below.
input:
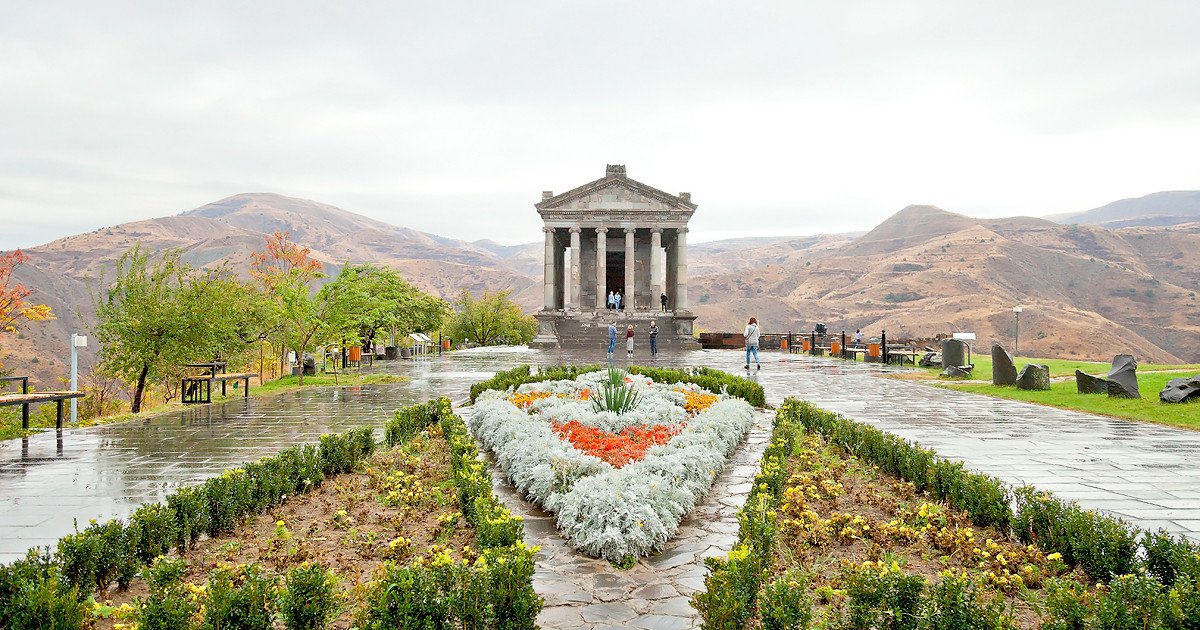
(1104, 547)
(53, 585)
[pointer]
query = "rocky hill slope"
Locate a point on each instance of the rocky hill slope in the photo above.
(1086, 291)
(66, 273)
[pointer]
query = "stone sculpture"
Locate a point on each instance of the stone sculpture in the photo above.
(1122, 379)
(1004, 372)
(1034, 377)
(954, 353)
(1180, 390)
(954, 371)
(931, 359)
(1088, 384)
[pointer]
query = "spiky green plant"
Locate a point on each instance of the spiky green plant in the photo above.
(615, 394)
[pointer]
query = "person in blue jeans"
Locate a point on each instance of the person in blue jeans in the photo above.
(612, 339)
(752, 344)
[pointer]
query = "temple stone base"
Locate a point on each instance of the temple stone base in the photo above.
(558, 329)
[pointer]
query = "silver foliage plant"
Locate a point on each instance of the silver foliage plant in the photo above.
(604, 511)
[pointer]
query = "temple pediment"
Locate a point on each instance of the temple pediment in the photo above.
(615, 193)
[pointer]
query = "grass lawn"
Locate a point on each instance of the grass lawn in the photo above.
(42, 417)
(1064, 395)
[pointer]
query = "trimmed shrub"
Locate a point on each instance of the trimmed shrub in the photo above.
(730, 590)
(244, 598)
(34, 594)
(888, 599)
(155, 527)
(169, 606)
(1103, 547)
(958, 603)
(784, 602)
(310, 600)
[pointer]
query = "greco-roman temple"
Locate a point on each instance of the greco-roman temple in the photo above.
(615, 234)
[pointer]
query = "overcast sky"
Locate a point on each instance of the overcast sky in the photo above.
(780, 118)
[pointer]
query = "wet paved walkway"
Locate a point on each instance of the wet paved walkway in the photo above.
(1144, 473)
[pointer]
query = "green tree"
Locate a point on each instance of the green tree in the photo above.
(491, 319)
(160, 314)
(371, 299)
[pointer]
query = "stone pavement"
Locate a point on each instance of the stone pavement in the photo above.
(1142, 472)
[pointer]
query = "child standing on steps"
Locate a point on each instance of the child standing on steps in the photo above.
(629, 341)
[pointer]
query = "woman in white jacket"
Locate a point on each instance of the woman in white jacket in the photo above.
(752, 343)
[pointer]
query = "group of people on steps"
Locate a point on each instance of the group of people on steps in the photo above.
(615, 301)
(751, 333)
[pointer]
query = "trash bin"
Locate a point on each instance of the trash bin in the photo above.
(835, 347)
(445, 344)
(783, 344)
(874, 352)
(355, 354)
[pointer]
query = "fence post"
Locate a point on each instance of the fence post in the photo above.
(843, 344)
(883, 344)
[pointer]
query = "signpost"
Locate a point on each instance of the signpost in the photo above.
(77, 342)
(1017, 332)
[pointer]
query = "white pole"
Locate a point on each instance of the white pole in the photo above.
(74, 378)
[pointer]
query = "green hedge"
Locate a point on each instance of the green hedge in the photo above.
(1107, 549)
(495, 591)
(113, 552)
(710, 379)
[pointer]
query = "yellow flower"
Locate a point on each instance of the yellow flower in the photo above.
(1054, 556)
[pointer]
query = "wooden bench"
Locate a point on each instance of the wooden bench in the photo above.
(25, 399)
(198, 389)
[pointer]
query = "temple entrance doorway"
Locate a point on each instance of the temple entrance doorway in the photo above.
(614, 277)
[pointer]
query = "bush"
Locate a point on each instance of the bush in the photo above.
(1103, 547)
(886, 599)
(730, 590)
(34, 594)
(155, 527)
(191, 516)
(408, 422)
(244, 598)
(496, 591)
(784, 602)
(169, 606)
(1170, 558)
(310, 601)
(957, 603)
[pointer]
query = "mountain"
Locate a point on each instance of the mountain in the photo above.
(1158, 209)
(1087, 291)
(66, 273)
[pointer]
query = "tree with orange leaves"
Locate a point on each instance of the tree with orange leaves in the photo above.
(286, 271)
(14, 308)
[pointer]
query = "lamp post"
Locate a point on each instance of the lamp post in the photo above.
(77, 342)
(1017, 332)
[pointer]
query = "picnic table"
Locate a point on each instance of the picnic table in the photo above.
(25, 399)
(902, 355)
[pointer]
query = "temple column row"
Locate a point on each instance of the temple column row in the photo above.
(676, 259)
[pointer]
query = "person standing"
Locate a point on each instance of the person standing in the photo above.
(612, 339)
(662, 299)
(858, 338)
(653, 332)
(629, 341)
(612, 300)
(751, 334)
(617, 300)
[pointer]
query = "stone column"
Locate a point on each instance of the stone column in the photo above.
(548, 279)
(576, 280)
(681, 296)
(656, 268)
(627, 299)
(601, 268)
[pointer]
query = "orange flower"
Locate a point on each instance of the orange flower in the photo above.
(525, 401)
(618, 449)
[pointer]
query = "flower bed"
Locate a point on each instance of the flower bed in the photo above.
(850, 527)
(363, 532)
(619, 482)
